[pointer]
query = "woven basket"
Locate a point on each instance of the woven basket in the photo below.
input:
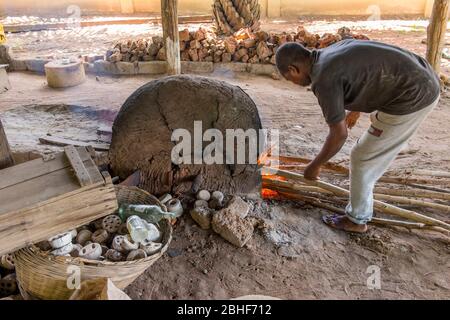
(44, 276)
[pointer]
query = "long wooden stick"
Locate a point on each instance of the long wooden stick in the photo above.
(409, 181)
(329, 165)
(419, 172)
(377, 221)
(413, 193)
(412, 202)
(384, 207)
(386, 178)
(430, 188)
(383, 197)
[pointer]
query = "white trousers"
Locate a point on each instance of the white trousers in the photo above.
(374, 152)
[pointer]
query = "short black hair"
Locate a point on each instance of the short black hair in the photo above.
(291, 54)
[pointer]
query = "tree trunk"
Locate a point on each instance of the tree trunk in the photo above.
(436, 33)
(232, 15)
(171, 37)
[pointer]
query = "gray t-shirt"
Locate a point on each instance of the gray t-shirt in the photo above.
(366, 76)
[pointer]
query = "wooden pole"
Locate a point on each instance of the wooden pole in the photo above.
(383, 207)
(382, 197)
(436, 33)
(413, 193)
(171, 37)
(6, 158)
(378, 221)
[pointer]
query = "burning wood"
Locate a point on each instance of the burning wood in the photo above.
(279, 184)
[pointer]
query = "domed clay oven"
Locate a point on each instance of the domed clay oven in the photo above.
(142, 135)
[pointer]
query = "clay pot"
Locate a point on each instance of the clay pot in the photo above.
(175, 206)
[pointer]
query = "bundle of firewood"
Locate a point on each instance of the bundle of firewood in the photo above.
(243, 46)
(415, 196)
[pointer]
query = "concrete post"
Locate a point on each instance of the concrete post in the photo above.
(273, 8)
(428, 8)
(127, 6)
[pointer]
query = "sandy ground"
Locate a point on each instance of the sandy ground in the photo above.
(295, 256)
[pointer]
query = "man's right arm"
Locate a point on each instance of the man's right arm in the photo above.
(336, 138)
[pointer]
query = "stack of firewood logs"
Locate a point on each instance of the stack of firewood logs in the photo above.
(415, 196)
(243, 46)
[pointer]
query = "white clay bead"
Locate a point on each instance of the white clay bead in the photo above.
(203, 195)
(60, 240)
(67, 249)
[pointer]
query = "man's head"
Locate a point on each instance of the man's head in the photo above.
(294, 63)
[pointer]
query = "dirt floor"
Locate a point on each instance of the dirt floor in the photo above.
(295, 256)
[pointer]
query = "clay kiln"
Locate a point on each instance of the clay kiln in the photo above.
(142, 135)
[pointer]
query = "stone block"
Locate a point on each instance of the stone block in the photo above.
(196, 67)
(118, 68)
(36, 65)
(238, 207)
(203, 216)
(263, 69)
(152, 67)
(232, 228)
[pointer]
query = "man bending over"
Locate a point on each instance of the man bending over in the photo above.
(398, 88)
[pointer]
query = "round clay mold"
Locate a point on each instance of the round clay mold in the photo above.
(111, 223)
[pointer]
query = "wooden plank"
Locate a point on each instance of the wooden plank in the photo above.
(33, 169)
(436, 33)
(57, 141)
(6, 158)
(77, 165)
(38, 189)
(23, 227)
(169, 16)
(90, 165)
(61, 197)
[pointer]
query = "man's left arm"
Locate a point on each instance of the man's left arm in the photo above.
(335, 140)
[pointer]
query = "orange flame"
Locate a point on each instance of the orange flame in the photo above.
(269, 194)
